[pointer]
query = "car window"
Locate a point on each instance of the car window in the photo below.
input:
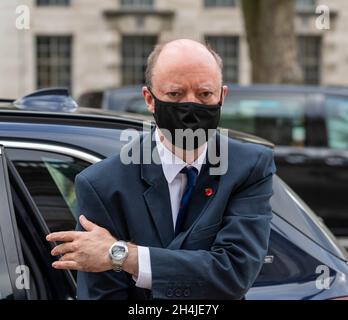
(49, 178)
(337, 122)
(289, 263)
(138, 105)
(279, 118)
(119, 99)
(289, 206)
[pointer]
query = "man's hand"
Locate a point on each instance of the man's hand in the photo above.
(89, 250)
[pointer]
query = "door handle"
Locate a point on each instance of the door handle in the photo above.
(336, 161)
(296, 158)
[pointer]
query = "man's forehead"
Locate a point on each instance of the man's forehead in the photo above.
(181, 71)
(186, 48)
(183, 85)
(182, 61)
(184, 64)
(186, 54)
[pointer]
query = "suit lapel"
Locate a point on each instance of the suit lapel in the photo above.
(157, 195)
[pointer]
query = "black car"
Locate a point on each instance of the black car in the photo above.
(308, 125)
(41, 154)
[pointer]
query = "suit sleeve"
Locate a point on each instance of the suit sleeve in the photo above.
(105, 285)
(230, 267)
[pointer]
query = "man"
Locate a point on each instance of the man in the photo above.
(188, 233)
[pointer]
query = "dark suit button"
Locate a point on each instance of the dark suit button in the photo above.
(169, 292)
(178, 292)
(187, 292)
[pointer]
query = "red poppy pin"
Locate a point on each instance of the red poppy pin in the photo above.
(208, 192)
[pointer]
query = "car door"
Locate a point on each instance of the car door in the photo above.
(332, 200)
(13, 271)
(298, 163)
(30, 230)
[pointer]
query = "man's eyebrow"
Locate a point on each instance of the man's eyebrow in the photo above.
(207, 87)
(177, 87)
(172, 87)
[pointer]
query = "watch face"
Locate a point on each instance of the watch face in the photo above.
(118, 252)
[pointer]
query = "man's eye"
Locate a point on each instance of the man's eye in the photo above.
(206, 94)
(173, 94)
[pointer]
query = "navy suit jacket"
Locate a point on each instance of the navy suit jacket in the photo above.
(225, 236)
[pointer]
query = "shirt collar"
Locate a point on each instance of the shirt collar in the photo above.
(172, 164)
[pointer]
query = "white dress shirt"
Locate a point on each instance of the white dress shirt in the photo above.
(171, 165)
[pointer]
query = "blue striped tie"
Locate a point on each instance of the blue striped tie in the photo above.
(191, 173)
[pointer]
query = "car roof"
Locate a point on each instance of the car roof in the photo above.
(132, 119)
(279, 88)
(339, 90)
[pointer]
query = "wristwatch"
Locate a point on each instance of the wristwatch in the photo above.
(118, 253)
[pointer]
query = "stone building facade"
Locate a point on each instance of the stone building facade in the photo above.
(92, 45)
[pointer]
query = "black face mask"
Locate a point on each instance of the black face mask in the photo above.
(201, 120)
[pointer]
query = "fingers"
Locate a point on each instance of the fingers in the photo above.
(71, 265)
(64, 248)
(68, 257)
(86, 224)
(63, 236)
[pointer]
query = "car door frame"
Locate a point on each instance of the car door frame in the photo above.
(43, 228)
(9, 231)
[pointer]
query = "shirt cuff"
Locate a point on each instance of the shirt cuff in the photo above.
(144, 279)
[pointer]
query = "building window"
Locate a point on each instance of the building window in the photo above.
(53, 61)
(135, 50)
(52, 2)
(137, 3)
(310, 58)
(228, 49)
(305, 5)
(219, 3)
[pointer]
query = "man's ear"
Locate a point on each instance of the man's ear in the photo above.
(224, 93)
(149, 100)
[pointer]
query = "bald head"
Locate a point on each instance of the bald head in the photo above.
(181, 55)
(184, 71)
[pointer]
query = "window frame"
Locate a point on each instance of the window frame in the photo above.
(302, 5)
(303, 59)
(136, 4)
(209, 4)
(54, 78)
(210, 38)
(53, 3)
(125, 58)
